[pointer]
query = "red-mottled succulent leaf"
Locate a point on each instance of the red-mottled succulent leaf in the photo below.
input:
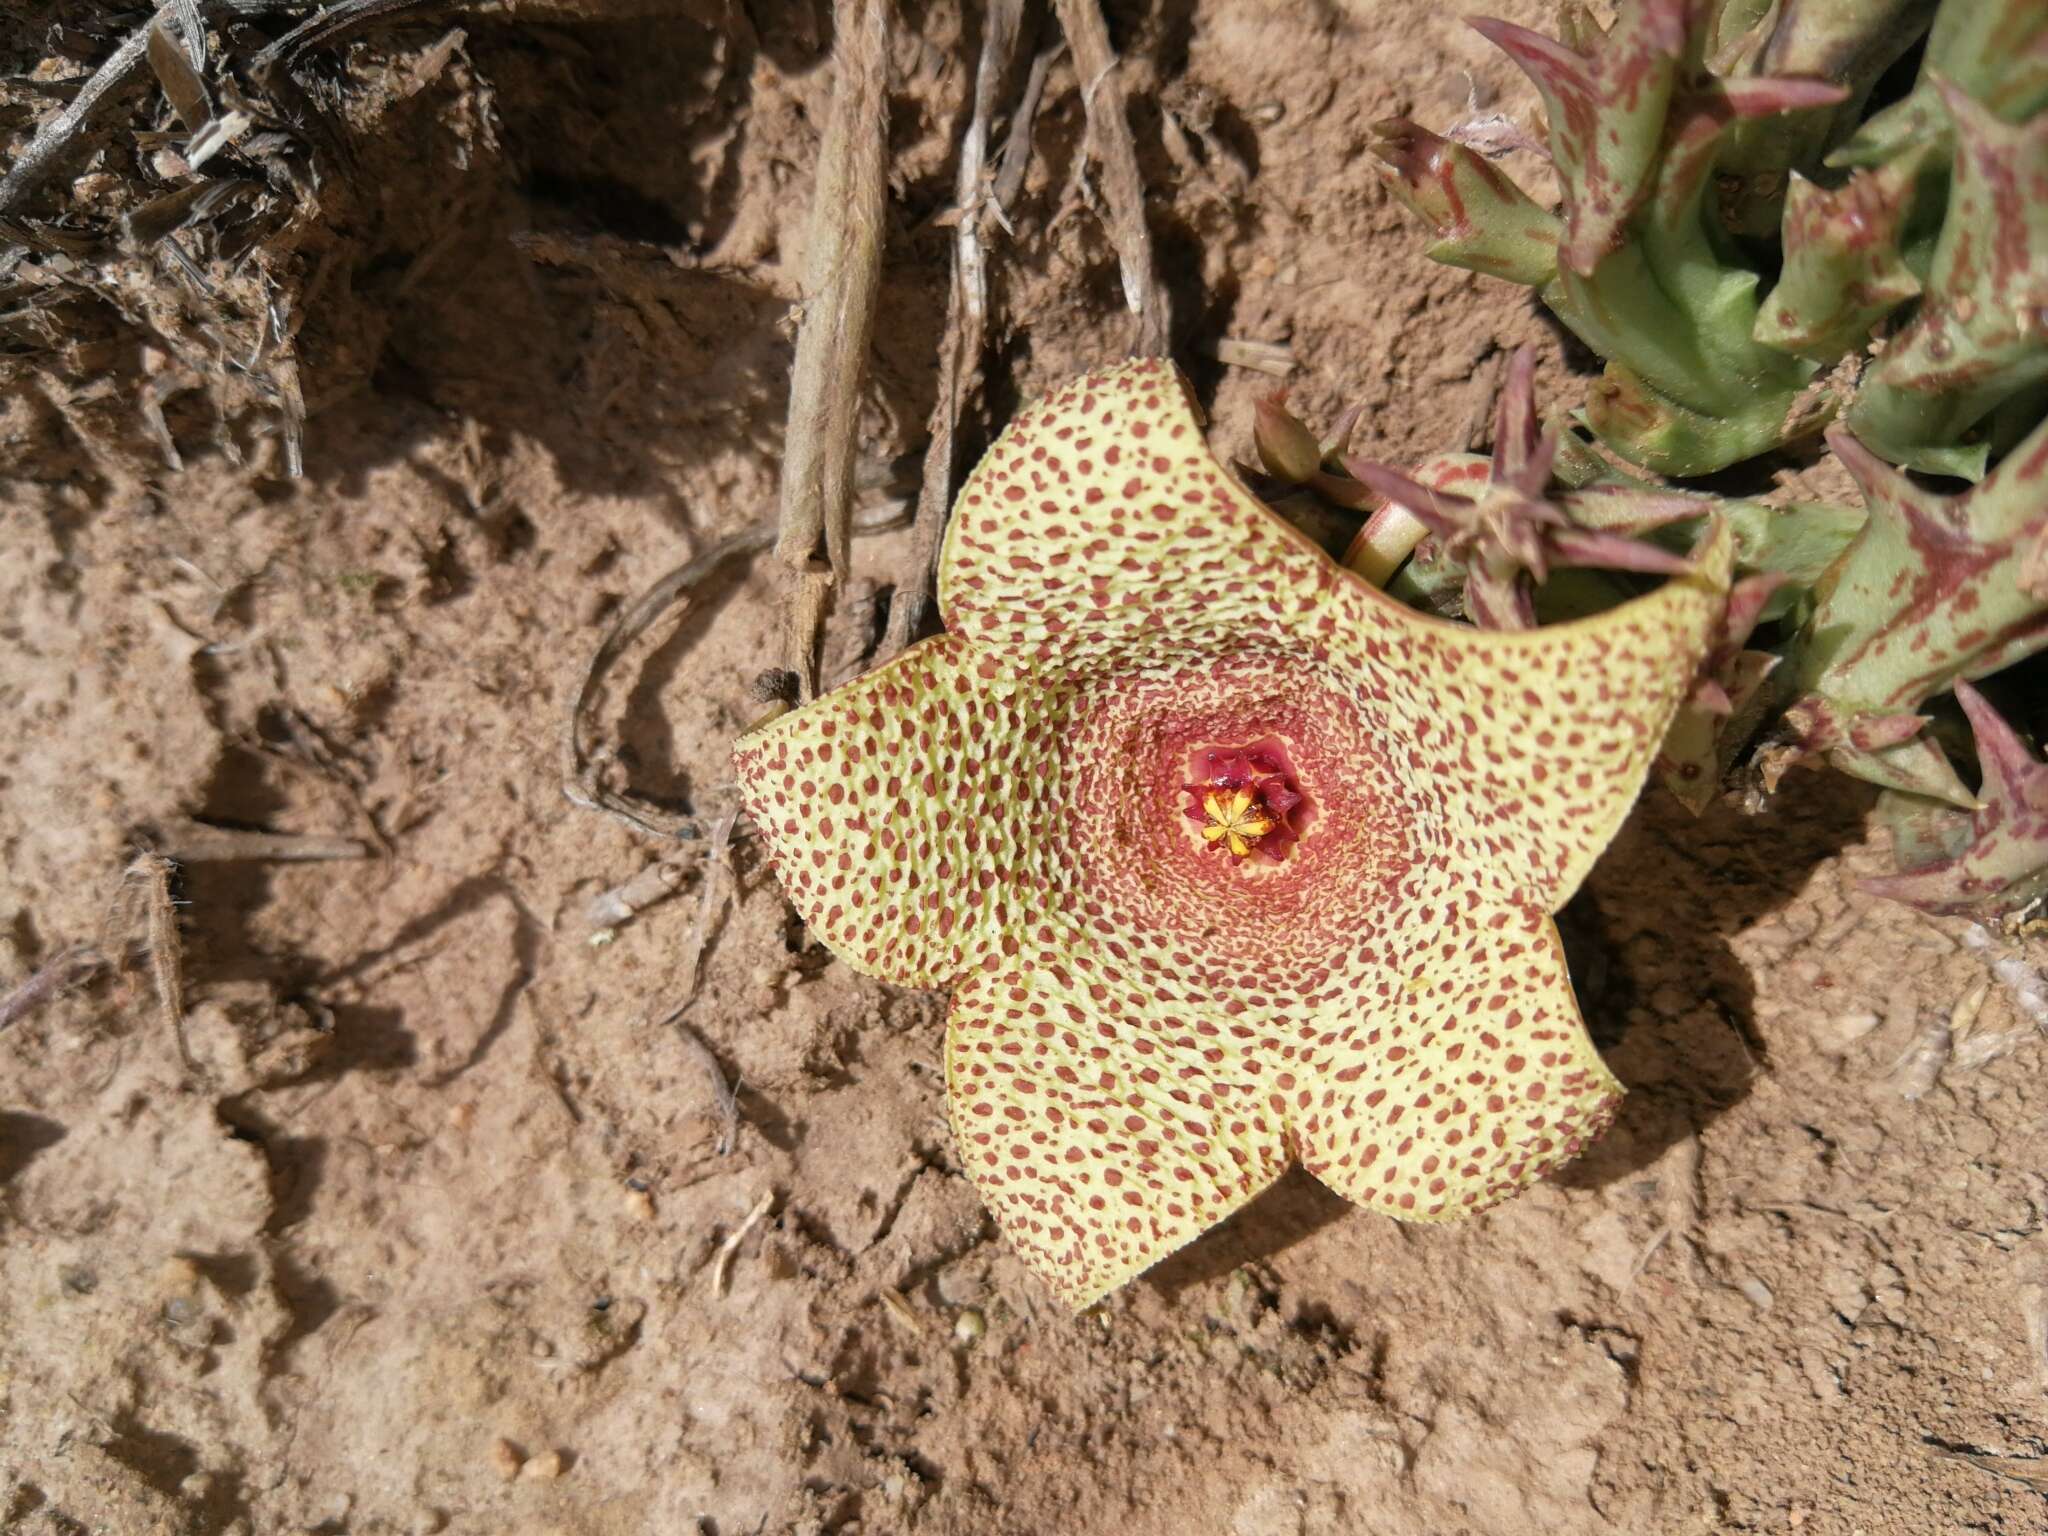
(1849, 42)
(1927, 592)
(1146, 1027)
(1843, 270)
(1698, 751)
(1606, 116)
(1997, 50)
(1482, 220)
(1688, 389)
(2004, 863)
(1978, 334)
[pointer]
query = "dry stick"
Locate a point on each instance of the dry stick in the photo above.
(194, 842)
(628, 899)
(1109, 136)
(842, 270)
(51, 979)
(34, 164)
(721, 1266)
(323, 27)
(166, 949)
(710, 901)
(580, 767)
(966, 324)
(579, 770)
(1015, 158)
(725, 1096)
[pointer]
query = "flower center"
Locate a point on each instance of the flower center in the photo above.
(1244, 799)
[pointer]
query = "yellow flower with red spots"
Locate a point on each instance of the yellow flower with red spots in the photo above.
(1144, 1035)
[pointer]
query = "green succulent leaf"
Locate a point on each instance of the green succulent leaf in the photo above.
(1483, 221)
(1931, 590)
(1606, 116)
(1981, 333)
(1993, 861)
(1844, 266)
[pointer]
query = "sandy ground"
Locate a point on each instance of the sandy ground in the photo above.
(431, 1232)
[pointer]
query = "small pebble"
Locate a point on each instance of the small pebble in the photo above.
(544, 1468)
(639, 1205)
(970, 1325)
(462, 1116)
(506, 1460)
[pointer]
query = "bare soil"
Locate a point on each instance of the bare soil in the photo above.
(427, 1235)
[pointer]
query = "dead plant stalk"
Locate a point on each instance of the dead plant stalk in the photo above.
(842, 270)
(1123, 187)
(966, 325)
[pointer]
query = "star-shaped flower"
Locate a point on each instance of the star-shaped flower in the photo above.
(1145, 1034)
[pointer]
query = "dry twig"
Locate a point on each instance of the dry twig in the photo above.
(966, 326)
(721, 1266)
(1014, 160)
(582, 765)
(842, 270)
(628, 899)
(725, 1096)
(1109, 137)
(166, 949)
(710, 901)
(41, 156)
(51, 979)
(194, 842)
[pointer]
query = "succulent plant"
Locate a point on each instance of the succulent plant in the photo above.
(1673, 148)
(1990, 860)
(1706, 152)
(1358, 972)
(1496, 523)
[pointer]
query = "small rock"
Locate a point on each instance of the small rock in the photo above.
(639, 1205)
(1845, 1029)
(506, 1460)
(969, 1326)
(544, 1468)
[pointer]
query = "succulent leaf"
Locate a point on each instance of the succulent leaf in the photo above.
(1506, 534)
(1286, 447)
(1482, 220)
(1981, 332)
(1843, 271)
(2000, 864)
(1995, 50)
(1606, 116)
(1929, 591)
(1146, 1027)
(1850, 43)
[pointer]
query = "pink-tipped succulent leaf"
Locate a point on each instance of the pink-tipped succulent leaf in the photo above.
(1504, 528)
(1358, 972)
(2001, 861)
(1606, 115)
